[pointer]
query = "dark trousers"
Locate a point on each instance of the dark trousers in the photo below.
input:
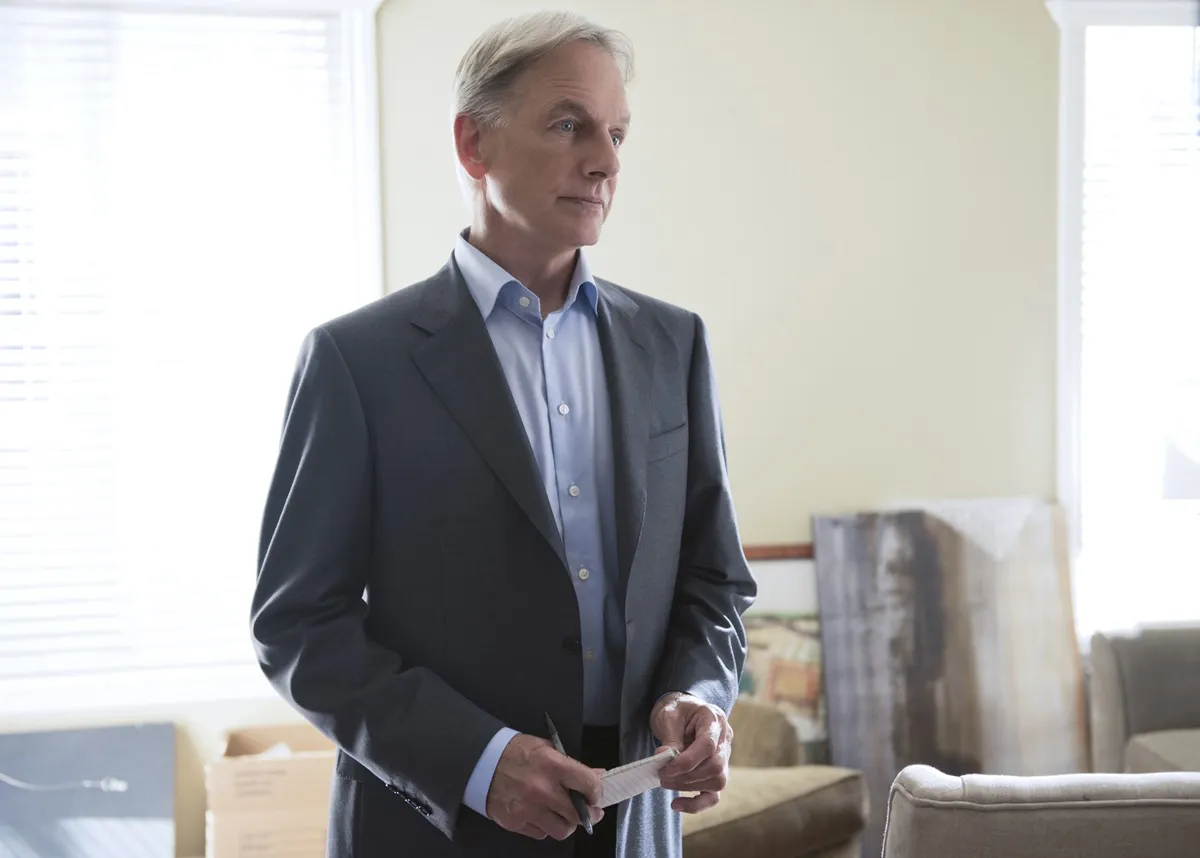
(601, 749)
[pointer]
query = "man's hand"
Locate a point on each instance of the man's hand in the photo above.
(702, 735)
(528, 794)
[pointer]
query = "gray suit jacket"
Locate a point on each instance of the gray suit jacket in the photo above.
(413, 595)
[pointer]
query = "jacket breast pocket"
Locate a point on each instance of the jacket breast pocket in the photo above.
(667, 444)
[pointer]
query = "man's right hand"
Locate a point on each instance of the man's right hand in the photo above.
(528, 793)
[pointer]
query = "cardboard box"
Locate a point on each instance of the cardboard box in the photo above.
(268, 794)
(283, 834)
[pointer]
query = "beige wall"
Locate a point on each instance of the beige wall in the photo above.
(859, 197)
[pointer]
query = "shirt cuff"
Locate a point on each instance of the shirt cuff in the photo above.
(480, 781)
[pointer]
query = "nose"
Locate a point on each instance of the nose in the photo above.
(603, 159)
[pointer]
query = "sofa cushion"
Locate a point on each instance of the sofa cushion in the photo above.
(785, 811)
(1160, 672)
(1164, 751)
(762, 736)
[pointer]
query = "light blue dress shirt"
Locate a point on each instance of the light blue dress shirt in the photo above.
(555, 371)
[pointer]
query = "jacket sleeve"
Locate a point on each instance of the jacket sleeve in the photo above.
(403, 724)
(705, 647)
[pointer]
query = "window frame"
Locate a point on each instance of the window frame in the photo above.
(73, 696)
(1073, 18)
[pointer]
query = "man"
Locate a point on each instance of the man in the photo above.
(521, 466)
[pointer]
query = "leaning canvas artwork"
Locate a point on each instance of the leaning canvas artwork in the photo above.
(947, 635)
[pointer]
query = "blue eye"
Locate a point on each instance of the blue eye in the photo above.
(567, 125)
(617, 140)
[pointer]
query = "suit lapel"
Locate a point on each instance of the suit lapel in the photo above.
(461, 366)
(629, 368)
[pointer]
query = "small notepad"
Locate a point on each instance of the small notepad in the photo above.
(624, 782)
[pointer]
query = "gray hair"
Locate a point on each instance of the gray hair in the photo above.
(486, 74)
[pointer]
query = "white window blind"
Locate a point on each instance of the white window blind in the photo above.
(1139, 360)
(179, 203)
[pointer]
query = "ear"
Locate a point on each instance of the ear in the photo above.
(468, 144)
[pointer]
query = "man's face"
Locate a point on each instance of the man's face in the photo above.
(550, 170)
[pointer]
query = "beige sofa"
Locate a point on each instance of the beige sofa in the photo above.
(1145, 701)
(933, 815)
(772, 807)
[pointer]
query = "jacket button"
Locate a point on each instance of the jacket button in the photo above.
(572, 645)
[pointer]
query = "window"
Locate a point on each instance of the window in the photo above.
(182, 195)
(1129, 458)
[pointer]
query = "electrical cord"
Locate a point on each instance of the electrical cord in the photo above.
(104, 785)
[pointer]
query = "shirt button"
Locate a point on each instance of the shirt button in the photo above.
(573, 491)
(550, 333)
(583, 574)
(588, 655)
(564, 409)
(524, 302)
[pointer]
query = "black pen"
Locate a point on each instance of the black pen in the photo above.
(577, 799)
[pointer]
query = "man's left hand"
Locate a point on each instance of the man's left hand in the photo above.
(702, 735)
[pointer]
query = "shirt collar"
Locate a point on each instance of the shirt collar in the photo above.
(486, 280)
